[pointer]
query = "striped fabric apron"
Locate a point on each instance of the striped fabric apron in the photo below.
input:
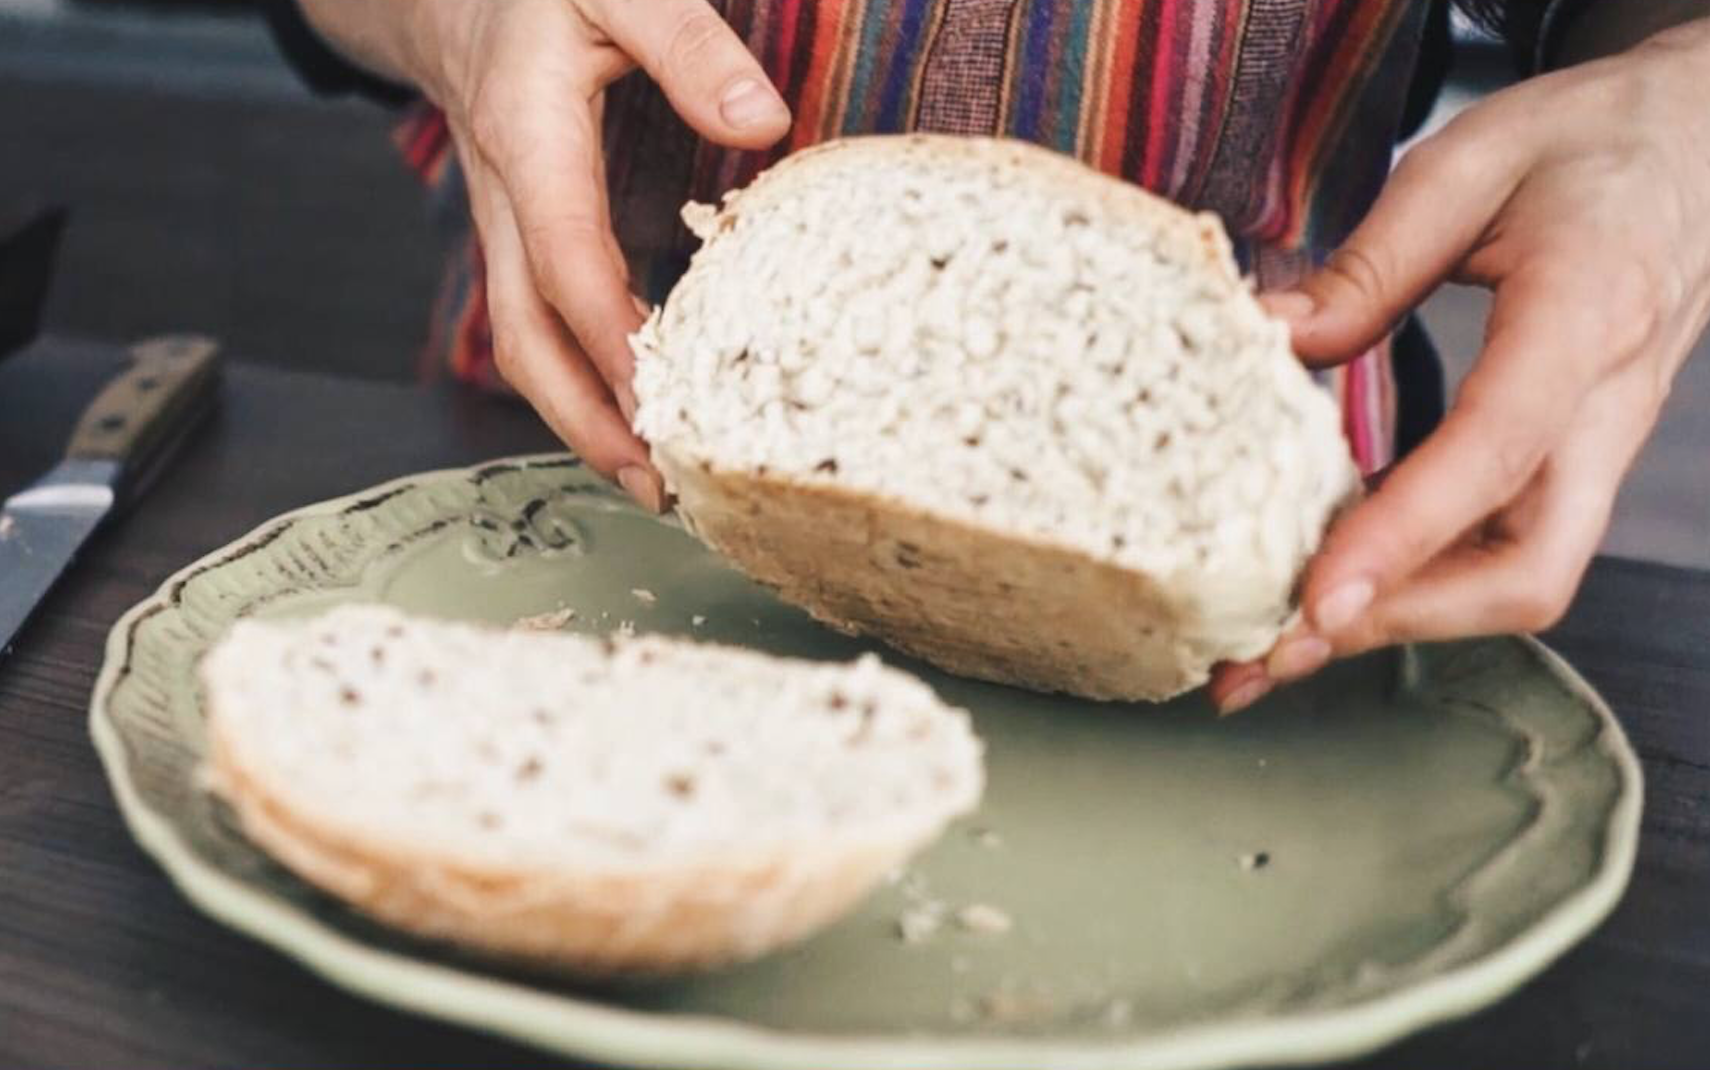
(1279, 115)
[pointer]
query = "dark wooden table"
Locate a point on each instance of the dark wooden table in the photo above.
(102, 964)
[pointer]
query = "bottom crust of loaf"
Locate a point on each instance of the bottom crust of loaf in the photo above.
(970, 600)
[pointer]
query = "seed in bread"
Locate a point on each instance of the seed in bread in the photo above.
(999, 410)
(637, 805)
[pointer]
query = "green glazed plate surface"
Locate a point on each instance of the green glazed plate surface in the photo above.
(1404, 839)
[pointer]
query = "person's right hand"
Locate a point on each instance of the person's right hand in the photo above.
(522, 83)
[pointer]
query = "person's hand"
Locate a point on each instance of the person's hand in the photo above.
(1582, 199)
(522, 83)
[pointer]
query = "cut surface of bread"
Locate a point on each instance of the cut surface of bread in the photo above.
(997, 409)
(641, 805)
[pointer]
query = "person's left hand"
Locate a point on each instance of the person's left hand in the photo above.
(1582, 199)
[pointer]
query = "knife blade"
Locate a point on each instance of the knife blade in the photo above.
(124, 438)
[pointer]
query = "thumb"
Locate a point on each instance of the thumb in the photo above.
(1429, 215)
(710, 77)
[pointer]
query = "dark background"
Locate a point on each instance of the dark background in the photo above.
(211, 192)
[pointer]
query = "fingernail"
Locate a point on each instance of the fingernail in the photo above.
(1342, 606)
(1298, 658)
(626, 403)
(751, 103)
(641, 306)
(1245, 695)
(1290, 305)
(642, 485)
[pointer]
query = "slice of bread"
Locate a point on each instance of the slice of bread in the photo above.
(606, 806)
(1009, 415)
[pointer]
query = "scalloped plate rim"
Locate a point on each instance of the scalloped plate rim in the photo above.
(579, 1028)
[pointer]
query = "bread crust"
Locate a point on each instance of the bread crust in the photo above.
(660, 919)
(972, 600)
(1039, 166)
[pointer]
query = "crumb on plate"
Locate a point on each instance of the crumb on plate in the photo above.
(920, 922)
(984, 918)
(1118, 1013)
(546, 622)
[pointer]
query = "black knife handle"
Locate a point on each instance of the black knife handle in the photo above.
(26, 270)
(140, 417)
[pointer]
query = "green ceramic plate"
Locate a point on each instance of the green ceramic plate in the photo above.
(1405, 839)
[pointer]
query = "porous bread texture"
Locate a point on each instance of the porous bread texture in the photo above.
(622, 806)
(999, 410)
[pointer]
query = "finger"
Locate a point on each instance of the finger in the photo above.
(1299, 653)
(614, 248)
(710, 77)
(1234, 686)
(537, 355)
(1432, 210)
(1534, 373)
(551, 166)
(1522, 583)
(1524, 579)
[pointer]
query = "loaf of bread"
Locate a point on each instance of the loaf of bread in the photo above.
(640, 805)
(1003, 412)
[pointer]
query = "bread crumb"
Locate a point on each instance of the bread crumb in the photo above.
(963, 1011)
(701, 219)
(553, 621)
(924, 915)
(626, 628)
(1007, 1007)
(920, 922)
(697, 620)
(984, 918)
(1118, 1013)
(987, 838)
(644, 595)
(1255, 860)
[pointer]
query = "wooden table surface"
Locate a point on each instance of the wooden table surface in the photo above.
(102, 964)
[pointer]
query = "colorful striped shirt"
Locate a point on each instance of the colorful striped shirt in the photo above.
(1278, 115)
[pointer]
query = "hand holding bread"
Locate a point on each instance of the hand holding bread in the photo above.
(522, 84)
(1581, 200)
